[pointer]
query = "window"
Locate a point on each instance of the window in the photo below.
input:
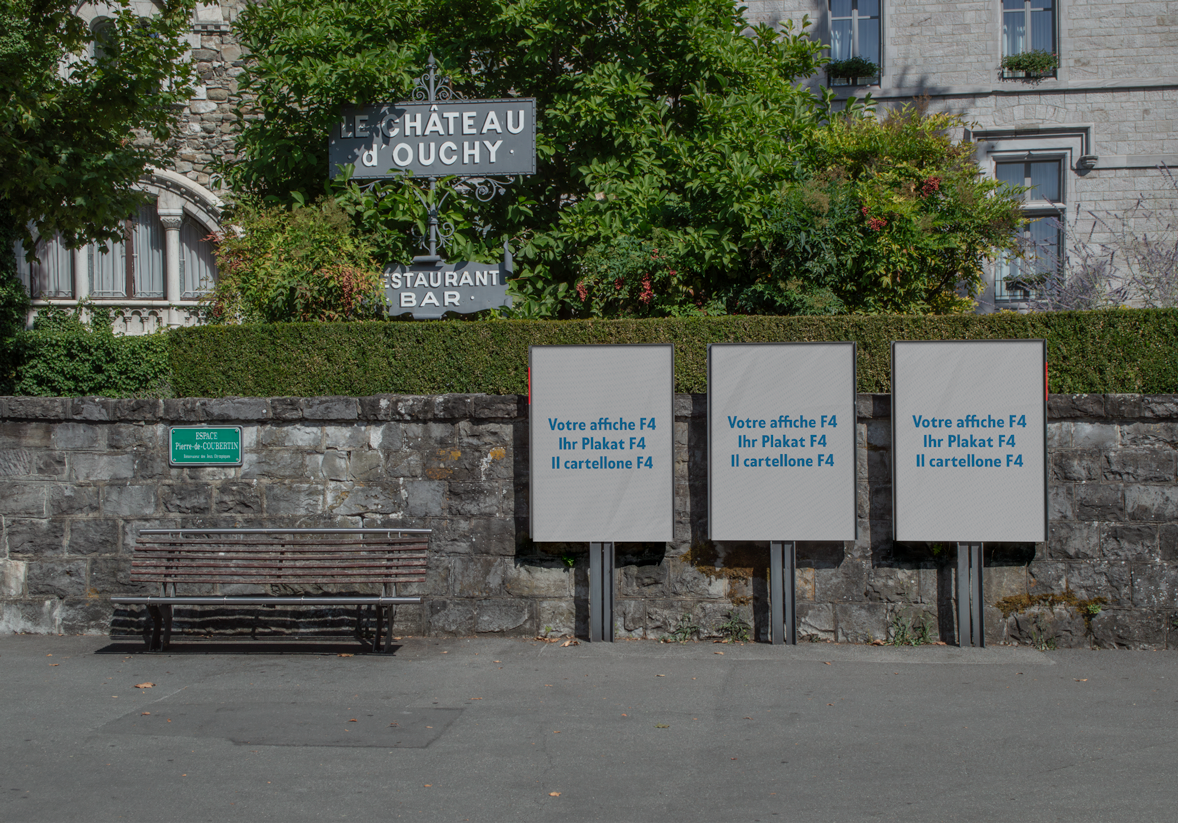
(51, 274)
(1028, 25)
(198, 267)
(1042, 237)
(854, 32)
(134, 267)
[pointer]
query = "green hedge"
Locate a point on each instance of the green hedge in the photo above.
(1131, 351)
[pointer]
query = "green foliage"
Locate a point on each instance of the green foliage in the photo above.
(686, 629)
(66, 121)
(907, 631)
(302, 263)
(63, 356)
(1104, 351)
(14, 302)
(734, 629)
(631, 277)
(896, 219)
(654, 116)
(851, 69)
(1034, 62)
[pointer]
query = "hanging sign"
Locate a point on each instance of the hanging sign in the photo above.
(969, 441)
(602, 431)
(781, 441)
(429, 291)
(466, 138)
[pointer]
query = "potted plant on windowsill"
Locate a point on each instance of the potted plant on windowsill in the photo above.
(855, 70)
(1030, 64)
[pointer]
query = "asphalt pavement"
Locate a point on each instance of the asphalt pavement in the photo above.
(521, 730)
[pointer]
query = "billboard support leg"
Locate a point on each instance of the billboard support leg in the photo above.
(601, 592)
(969, 595)
(782, 583)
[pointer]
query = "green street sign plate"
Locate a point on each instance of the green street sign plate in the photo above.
(205, 445)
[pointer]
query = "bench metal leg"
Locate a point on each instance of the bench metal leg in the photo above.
(379, 626)
(167, 610)
(157, 625)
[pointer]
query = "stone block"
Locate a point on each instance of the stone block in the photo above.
(1061, 502)
(186, 498)
(468, 498)
(35, 538)
(815, 621)
(1141, 466)
(451, 617)
(130, 436)
(1125, 542)
(1168, 543)
(1074, 465)
(1059, 435)
(1111, 580)
(685, 580)
(1159, 407)
(129, 501)
(437, 578)
(233, 409)
(1155, 586)
(354, 436)
(377, 407)
(403, 464)
(93, 536)
(56, 578)
(664, 616)
(331, 465)
(1095, 436)
(26, 435)
(112, 575)
(530, 579)
(29, 462)
(182, 410)
(286, 408)
(451, 407)
(349, 499)
(478, 576)
(1079, 406)
(30, 617)
(497, 407)
(425, 498)
(629, 619)
(1150, 435)
(1003, 581)
(274, 464)
(12, 577)
(73, 436)
(1048, 628)
(1073, 541)
(291, 436)
(647, 580)
(494, 536)
(331, 408)
(846, 583)
(1123, 406)
(868, 406)
(893, 585)
(244, 497)
(91, 408)
(91, 468)
(558, 618)
(146, 410)
(386, 437)
(1128, 629)
(66, 499)
(860, 622)
(293, 499)
(34, 408)
(86, 615)
(1099, 502)
(879, 434)
(504, 617)
(23, 499)
(154, 466)
(1151, 502)
(366, 466)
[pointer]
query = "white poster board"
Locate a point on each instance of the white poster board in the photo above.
(602, 434)
(781, 441)
(969, 441)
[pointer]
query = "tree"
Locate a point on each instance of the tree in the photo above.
(667, 117)
(77, 133)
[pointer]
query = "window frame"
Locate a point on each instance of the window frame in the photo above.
(1053, 15)
(855, 44)
(1034, 209)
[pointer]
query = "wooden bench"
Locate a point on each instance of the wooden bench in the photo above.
(345, 558)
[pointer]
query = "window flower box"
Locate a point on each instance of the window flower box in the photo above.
(1035, 64)
(856, 71)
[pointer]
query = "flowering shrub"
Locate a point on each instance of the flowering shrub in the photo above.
(632, 277)
(1037, 62)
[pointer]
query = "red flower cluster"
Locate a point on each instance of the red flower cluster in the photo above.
(876, 223)
(618, 284)
(931, 185)
(647, 292)
(582, 292)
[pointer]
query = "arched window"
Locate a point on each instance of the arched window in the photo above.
(198, 266)
(133, 268)
(103, 29)
(51, 274)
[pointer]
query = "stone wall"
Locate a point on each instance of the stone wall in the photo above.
(80, 477)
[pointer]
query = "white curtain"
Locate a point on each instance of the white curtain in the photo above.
(198, 267)
(52, 274)
(150, 274)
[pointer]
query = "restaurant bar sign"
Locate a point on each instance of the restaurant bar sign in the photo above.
(429, 291)
(467, 138)
(204, 445)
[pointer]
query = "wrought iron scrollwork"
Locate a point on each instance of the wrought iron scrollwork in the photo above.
(430, 88)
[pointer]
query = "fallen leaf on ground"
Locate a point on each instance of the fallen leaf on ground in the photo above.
(345, 654)
(554, 794)
(570, 642)
(625, 715)
(830, 704)
(476, 698)
(393, 723)
(144, 685)
(732, 758)
(748, 718)
(428, 785)
(1081, 680)
(717, 652)
(496, 661)
(661, 726)
(353, 720)
(144, 713)
(54, 664)
(660, 675)
(556, 732)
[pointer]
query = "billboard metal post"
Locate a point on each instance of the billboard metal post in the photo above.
(783, 626)
(601, 592)
(969, 596)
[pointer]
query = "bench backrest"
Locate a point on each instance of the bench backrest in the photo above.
(280, 556)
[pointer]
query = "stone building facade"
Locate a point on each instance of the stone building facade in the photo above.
(1089, 135)
(80, 477)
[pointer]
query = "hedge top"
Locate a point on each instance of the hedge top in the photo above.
(1102, 352)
